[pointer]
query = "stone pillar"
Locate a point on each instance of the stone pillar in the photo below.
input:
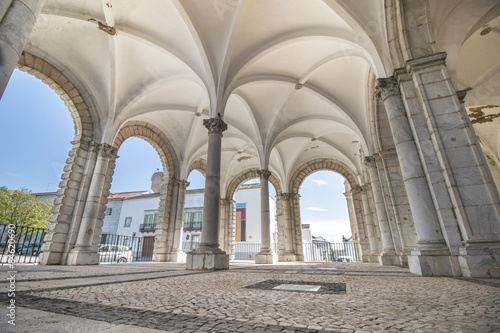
(360, 227)
(431, 253)
(370, 232)
(161, 250)
(208, 255)
(17, 19)
(388, 254)
(226, 227)
(85, 251)
(466, 199)
(176, 254)
(285, 229)
(69, 203)
(296, 226)
(352, 220)
(265, 255)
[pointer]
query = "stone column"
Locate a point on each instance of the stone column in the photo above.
(85, 252)
(176, 254)
(163, 227)
(69, 203)
(208, 255)
(431, 249)
(225, 226)
(17, 19)
(285, 229)
(296, 226)
(388, 254)
(360, 226)
(352, 220)
(265, 255)
(370, 232)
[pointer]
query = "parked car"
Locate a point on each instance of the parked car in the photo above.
(115, 253)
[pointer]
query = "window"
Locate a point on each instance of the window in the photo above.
(150, 219)
(128, 222)
(109, 211)
(192, 220)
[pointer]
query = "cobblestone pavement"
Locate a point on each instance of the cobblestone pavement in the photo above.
(155, 297)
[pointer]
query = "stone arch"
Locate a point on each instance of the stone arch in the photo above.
(156, 138)
(171, 183)
(321, 164)
(68, 202)
(74, 99)
(200, 165)
(246, 175)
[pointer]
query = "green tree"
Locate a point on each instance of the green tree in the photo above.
(22, 208)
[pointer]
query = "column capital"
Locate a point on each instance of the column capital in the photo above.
(264, 174)
(215, 125)
(106, 151)
(370, 161)
(387, 87)
(183, 183)
(227, 201)
(461, 95)
(283, 196)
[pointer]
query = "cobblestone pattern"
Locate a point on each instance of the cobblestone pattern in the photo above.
(377, 299)
(326, 288)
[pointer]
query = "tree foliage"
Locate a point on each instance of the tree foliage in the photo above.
(22, 208)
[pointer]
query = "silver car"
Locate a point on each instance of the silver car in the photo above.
(115, 253)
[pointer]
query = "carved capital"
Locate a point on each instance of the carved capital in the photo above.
(264, 174)
(183, 184)
(386, 87)
(106, 151)
(370, 161)
(215, 125)
(227, 201)
(283, 196)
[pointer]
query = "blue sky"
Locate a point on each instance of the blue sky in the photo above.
(36, 131)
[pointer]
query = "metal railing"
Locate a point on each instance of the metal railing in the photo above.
(119, 248)
(324, 251)
(147, 227)
(20, 244)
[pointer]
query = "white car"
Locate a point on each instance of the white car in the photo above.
(115, 253)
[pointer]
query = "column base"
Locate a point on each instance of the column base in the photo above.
(266, 258)
(480, 259)
(157, 257)
(50, 258)
(437, 262)
(82, 256)
(287, 257)
(372, 258)
(207, 260)
(177, 256)
(389, 259)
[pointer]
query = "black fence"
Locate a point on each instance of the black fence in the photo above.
(121, 249)
(324, 251)
(20, 244)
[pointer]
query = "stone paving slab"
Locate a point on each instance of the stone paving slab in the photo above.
(376, 298)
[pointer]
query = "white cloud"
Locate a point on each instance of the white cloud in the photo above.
(332, 230)
(317, 209)
(319, 181)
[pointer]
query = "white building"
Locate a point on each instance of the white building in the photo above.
(135, 214)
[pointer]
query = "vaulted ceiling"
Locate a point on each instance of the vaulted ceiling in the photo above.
(290, 77)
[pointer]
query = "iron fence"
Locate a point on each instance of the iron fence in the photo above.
(20, 244)
(120, 249)
(325, 251)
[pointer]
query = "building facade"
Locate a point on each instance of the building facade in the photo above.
(383, 92)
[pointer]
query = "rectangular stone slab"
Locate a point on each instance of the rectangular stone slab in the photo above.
(298, 287)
